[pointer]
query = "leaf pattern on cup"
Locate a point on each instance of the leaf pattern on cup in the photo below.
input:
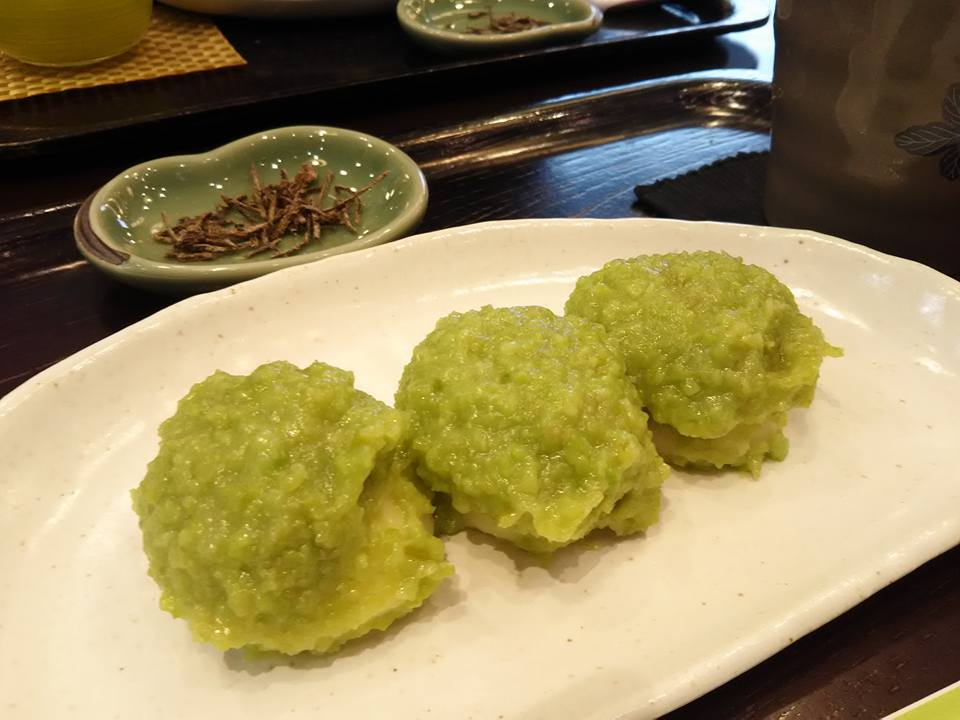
(951, 105)
(950, 163)
(938, 137)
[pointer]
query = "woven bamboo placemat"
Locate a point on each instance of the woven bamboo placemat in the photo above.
(175, 44)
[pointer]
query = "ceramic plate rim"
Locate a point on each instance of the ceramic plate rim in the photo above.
(452, 233)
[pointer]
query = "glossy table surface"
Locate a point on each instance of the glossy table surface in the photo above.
(897, 646)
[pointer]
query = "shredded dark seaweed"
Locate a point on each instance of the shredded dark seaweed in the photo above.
(502, 24)
(257, 222)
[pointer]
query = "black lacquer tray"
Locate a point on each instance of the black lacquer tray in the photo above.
(293, 65)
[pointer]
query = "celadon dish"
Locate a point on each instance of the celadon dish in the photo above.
(443, 25)
(114, 228)
(733, 571)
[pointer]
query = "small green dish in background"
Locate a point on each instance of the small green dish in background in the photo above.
(445, 26)
(114, 228)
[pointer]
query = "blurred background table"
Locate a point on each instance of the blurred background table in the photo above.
(894, 648)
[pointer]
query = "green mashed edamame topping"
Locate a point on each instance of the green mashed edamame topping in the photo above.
(528, 426)
(718, 350)
(280, 513)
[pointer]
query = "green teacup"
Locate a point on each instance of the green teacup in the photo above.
(71, 32)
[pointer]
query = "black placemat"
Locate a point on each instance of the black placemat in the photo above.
(729, 190)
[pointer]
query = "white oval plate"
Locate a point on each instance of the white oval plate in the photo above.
(285, 8)
(735, 570)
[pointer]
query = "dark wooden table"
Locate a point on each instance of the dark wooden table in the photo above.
(896, 647)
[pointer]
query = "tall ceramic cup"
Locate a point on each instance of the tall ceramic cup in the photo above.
(866, 123)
